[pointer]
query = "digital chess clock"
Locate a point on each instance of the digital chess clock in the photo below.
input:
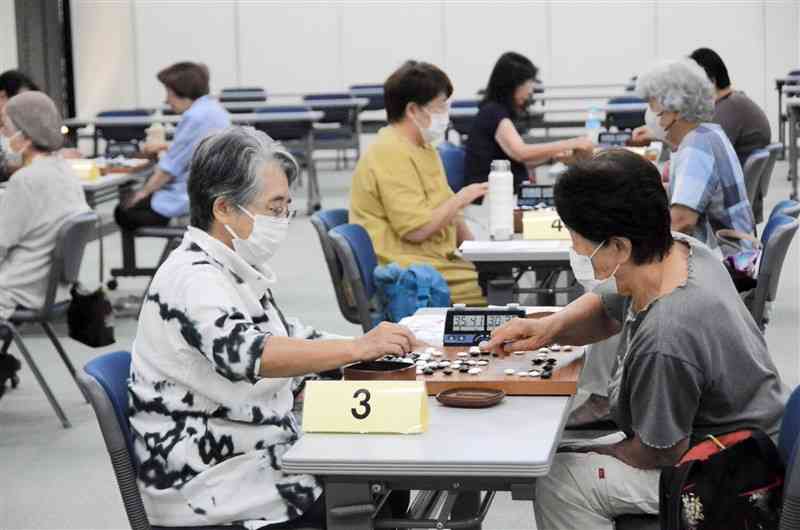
(470, 327)
(531, 195)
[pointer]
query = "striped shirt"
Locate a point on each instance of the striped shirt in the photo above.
(707, 178)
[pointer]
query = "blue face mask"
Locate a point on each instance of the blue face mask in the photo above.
(583, 269)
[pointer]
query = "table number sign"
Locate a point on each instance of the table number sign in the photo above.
(389, 407)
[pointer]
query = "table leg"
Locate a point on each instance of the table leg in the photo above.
(781, 120)
(349, 505)
(314, 202)
(500, 290)
(792, 111)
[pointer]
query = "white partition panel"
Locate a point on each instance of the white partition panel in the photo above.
(290, 46)
(781, 52)
(476, 34)
(306, 46)
(168, 32)
(379, 37)
(601, 42)
(105, 70)
(8, 36)
(735, 30)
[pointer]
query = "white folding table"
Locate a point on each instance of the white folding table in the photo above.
(502, 448)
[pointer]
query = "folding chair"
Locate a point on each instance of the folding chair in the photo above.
(71, 241)
(357, 256)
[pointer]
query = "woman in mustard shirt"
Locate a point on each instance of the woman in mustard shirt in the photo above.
(400, 193)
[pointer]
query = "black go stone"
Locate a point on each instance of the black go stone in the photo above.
(427, 371)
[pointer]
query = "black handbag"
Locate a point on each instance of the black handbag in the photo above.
(90, 317)
(732, 482)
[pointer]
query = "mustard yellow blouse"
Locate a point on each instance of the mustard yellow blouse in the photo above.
(396, 186)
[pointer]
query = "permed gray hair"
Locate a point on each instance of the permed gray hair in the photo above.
(227, 164)
(680, 86)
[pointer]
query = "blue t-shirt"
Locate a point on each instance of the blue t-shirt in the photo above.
(707, 177)
(205, 116)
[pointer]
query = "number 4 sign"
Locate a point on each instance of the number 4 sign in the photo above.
(394, 407)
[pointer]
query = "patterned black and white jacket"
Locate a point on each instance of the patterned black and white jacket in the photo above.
(209, 432)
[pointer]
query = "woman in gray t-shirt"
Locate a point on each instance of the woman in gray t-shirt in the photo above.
(692, 361)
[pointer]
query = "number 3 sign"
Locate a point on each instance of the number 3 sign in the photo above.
(365, 407)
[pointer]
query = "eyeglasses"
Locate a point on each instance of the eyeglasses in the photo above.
(282, 212)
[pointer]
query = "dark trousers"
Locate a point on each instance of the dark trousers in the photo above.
(138, 215)
(315, 517)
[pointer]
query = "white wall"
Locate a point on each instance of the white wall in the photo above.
(306, 46)
(8, 36)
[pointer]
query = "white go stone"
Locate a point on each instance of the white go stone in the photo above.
(483, 363)
(566, 348)
(438, 353)
(509, 371)
(522, 374)
(444, 364)
(544, 350)
(424, 356)
(474, 349)
(462, 354)
(535, 373)
(474, 371)
(419, 371)
(555, 347)
(472, 362)
(430, 349)
(421, 364)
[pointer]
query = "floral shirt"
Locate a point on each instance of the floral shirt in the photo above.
(209, 431)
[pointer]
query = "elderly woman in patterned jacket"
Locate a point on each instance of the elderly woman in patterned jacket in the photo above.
(215, 361)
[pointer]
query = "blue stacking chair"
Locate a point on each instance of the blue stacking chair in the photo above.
(373, 92)
(323, 222)
(788, 207)
(357, 256)
(463, 124)
(242, 95)
(624, 120)
(338, 129)
(121, 139)
(453, 160)
(775, 241)
(105, 382)
(788, 449)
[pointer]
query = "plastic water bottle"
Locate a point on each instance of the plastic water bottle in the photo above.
(501, 201)
(594, 124)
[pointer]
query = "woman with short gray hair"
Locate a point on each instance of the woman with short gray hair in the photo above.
(215, 362)
(706, 184)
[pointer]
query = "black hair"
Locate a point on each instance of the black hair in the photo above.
(510, 71)
(187, 80)
(617, 194)
(414, 82)
(713, 65)
(12, 81)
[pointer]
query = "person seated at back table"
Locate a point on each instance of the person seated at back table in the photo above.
(39, 197)
(164, 195)
(493, 135)
(400, 193)
(13, 82)
(692, 362)
(706, 183)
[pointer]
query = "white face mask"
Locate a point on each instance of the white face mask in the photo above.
(651, 120)
(267, 235)
(436, 130)
(583, 269)
(12, 157)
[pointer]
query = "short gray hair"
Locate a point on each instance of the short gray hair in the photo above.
(227, 164)
(680, 86)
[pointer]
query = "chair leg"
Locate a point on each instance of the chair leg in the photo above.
(38, 375)
(48, 328)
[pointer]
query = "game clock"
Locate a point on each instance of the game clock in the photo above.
(469, 327)
(531, 195)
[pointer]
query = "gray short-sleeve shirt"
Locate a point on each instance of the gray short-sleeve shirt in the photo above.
(693, 362)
